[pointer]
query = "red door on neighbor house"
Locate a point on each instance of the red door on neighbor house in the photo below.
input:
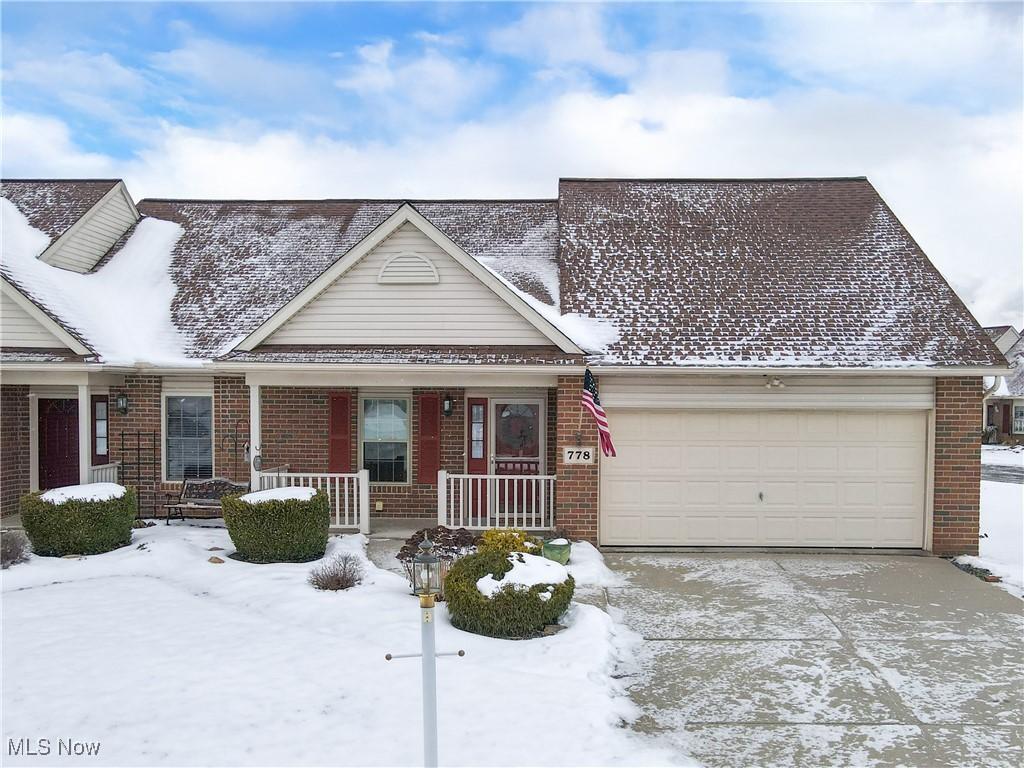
(58, 442)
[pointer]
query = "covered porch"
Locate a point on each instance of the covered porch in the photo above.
(465, 448)
(56, 431)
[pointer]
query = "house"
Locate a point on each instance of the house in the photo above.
(1004, 336)
(780, 362)
(1004, 397)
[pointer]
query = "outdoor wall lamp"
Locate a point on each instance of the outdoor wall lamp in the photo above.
(121, 403)
(447, 405)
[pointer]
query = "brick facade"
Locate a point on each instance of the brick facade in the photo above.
(577, 487)
(14, 446)
(957, 499)
(230, 427)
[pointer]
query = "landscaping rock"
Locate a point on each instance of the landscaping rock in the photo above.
(214, 559)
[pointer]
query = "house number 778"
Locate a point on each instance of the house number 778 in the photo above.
(578, 455)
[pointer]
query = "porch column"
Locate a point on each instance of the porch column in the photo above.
(84, 431)
(254, 435)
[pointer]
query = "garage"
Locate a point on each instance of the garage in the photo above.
(744, 477)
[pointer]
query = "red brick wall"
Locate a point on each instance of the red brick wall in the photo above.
(957, 465)
(230, 427)
(143, 417)
(14, 451)
(295, 432)
(577, 486)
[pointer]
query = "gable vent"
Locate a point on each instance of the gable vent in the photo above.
(408, 268)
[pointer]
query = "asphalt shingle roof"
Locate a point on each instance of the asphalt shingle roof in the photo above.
(803, 272)
(53, 205)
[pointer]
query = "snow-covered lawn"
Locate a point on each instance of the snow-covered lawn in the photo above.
(166, 658)
(1005, 455)
(1001, 548)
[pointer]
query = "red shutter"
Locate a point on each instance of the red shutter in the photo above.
(428, 454)
(339, 457)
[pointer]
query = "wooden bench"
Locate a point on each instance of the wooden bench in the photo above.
(201, 496)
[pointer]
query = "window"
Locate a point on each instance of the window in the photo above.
(100, 438)
(189, 437)
(385, 439)
(1018, 419)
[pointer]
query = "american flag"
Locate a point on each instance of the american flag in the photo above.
(592, 403)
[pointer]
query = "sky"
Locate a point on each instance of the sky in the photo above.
(314, 100)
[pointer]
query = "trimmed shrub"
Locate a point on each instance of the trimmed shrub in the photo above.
(14, 548)
(508, 540)
(343, 572)
(278, 530)
(513, 614)
(77, 527)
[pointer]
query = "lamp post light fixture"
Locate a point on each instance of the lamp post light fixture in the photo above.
(426, 584)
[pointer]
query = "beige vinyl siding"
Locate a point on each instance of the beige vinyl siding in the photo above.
(19, 329)
(90, 238)
(357, 309)
(738, 391)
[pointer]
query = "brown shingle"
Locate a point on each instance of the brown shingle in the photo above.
(789, 272)
(53, 205)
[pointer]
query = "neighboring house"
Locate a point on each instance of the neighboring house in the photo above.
(1004, 336)
(1004, 398)
(780, 362)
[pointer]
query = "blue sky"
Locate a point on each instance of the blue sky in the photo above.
(466, 99)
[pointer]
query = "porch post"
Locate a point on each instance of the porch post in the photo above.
(84, 430)
(254, 435)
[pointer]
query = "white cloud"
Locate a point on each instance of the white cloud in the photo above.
(561, 36)
(967, 49)
(430, 82)
(39, 146)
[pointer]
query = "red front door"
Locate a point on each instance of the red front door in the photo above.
(58, 443)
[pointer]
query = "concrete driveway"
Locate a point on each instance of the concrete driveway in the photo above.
(814, 660)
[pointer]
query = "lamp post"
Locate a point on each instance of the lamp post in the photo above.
(426, 583)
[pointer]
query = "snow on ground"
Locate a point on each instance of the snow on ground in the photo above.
(1003, 455)
(280, 494)
(1001, 549)
(123, 309)
(166, 658)
(87, 492)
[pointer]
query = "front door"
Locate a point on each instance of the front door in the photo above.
(58, 443)
(504, 437)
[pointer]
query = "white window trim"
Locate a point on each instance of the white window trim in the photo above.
(387, 395)
(166, 393)
(1016, 421)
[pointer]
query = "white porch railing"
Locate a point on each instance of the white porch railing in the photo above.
(349, 494)
(105, 473)
(495, 501)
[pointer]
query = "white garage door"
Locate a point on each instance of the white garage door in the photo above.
(765, 478)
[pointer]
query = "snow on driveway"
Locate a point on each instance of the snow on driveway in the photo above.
(1003, 455)
(167, 659)
(1001, 547)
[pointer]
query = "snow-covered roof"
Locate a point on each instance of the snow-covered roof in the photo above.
(413, 355)
(1013, 384)
(811, 273)
(238, 262)
(808, 273)
(53, 205)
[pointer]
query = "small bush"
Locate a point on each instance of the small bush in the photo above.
(343, 572)
(14, 548)
(280, 530)
(449, 545)
(77, 527)
(510, 613)
(508, 540)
